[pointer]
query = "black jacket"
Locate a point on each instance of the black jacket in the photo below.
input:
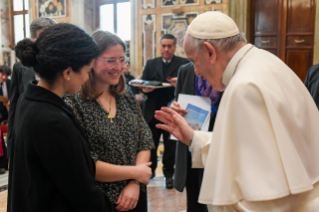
(50, 166)
(154, 71)
(21, 76)
(312, 83)
(3, 109)
(186, 85)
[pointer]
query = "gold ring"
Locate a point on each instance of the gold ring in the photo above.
(132, 204)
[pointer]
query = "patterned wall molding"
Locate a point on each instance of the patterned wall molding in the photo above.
(176, 24)
(148, 37)
(213, 1)
(174, 3)
(148, 4)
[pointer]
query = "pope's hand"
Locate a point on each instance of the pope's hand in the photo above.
(176, 107)
(175, 124)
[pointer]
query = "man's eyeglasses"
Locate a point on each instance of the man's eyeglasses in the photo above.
(111, 62)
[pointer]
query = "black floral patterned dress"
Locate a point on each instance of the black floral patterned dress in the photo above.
(118, 142)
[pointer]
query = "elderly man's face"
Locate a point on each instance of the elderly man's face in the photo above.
(205, 64)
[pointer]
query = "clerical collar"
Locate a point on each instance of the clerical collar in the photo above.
(231, 66)
(166, 61)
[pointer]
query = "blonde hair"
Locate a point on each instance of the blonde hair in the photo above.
(104, 40)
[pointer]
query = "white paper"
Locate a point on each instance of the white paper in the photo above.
(199, 101)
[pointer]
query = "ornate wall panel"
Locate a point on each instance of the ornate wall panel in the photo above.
(148, 37)
(176, 24)
(172, 3)
(89, 20)
(148, 4)
(5, 24)
(213, 1)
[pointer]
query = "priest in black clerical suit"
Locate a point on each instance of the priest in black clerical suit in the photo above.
(5, 83)
(21, 77)
(163, 69)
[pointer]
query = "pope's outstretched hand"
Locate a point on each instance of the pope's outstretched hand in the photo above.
(175, 124)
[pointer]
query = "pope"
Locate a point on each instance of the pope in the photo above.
(264, 152)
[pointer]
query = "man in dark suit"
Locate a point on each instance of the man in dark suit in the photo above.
(5, 72)
(21, 75)
(312, 83)
(5, 83)
(163, 69)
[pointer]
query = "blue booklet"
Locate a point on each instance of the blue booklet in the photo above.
(196, 116)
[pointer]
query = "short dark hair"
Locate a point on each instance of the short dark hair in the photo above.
(168, 36)
(58, 47)
(4, 69)
(40, 23)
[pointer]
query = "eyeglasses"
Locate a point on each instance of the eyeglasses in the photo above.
(111, 62)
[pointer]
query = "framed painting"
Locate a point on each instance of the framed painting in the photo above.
(52, 8)
(173, 3)
(213, 1)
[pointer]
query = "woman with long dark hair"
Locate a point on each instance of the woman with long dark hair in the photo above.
(50, 165)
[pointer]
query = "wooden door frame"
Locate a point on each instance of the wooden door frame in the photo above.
(316, 36)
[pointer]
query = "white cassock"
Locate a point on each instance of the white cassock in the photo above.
(264, 152)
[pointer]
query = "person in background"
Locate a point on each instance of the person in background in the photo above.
(128, 77)
(312, 83)
(118, 135)
(50, 164)
(162, 69)
(22, 75)
(5, 83)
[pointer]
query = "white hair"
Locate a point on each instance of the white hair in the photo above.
(224, 44)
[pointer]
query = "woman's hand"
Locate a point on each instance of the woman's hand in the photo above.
(143, 172)
(129, 197)
(176, 107)
(175, 124)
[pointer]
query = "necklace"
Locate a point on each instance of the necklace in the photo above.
(109, 116)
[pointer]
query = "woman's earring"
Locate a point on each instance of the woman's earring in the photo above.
(68, 78)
